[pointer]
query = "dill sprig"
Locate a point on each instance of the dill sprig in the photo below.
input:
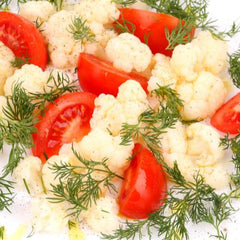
(20, 61)
(79, 185)
(124, 3)
(233, 144)
(6, 193)
(152, 123)
(17, 125)
(80, 30)
(2, 230)
(195, 201)
(38, 23)
(234, 67)
(123, 26)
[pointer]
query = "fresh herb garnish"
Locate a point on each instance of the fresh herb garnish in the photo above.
(124, 3)
(20, 61)
(234, 67)
(78, 184)
(2, 230)
(233, 144)
(80, 30)
(6, 193)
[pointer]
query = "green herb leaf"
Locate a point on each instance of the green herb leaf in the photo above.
(234, 67)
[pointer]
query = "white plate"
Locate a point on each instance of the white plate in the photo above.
(225, 12)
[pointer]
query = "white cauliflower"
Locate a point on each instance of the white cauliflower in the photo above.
(110, 112)
(30, 76)
(48, 217)
(99, 145)
(140, 5)
(37, 12)
(3, 102)
(196, 149)
(103, 216)
(205, 53)
(6, 69)
(128, 53)
(202, 97)
(102, 11)
(186, 61)
(213, 51)
(48, 175)
(63, 49)
(29, 170)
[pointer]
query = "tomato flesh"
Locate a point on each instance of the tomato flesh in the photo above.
(99, 76)
(66, 120)
(227, 117)
(150, 27)
(144, 187)
(23, 38)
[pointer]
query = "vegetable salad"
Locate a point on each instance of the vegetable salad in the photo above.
(110, 131)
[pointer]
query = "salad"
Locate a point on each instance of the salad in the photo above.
(109, 131)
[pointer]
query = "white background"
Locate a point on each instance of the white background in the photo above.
(225, 12)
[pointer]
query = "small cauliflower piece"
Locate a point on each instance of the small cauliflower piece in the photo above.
(29, 169)
(48, 175)
(6, 69)
(128, 53)
(99, 145)
(103, 216)
(110, 112)
(32, 77)
(102, 11)
(37, 11)
(63, 49)
(203, 144)
(202, 97)
(186, 61)
(140, 5)
(48, 217)
(213, 51)
(196, 149)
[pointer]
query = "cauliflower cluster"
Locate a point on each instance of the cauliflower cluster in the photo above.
(110, 112)
(194, 72)
(196, 149)
(6, 69)
(128, 53)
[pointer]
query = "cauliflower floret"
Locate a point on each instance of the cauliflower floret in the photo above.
(48, 175)
(186, 61)
(213, 51)
(202, 97)
(32, 77)
(99, 145)
(37, 11)
(64, 50)
(3, 102)
(127, 52)
(140, 5)
(103, 216)
(48, 217)
(6, 69)
(102, 36)
(102, 11)
(29, 170)
(196, 149)
(110, 112)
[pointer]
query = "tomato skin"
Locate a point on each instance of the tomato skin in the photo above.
(99, 76)
(144, 187)
(227, 117)
(23, 38)
(151, 25)
(65, 120)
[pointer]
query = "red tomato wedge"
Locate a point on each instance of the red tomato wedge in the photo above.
(99, 76)
(144, 187)
(151, 26)
(64, 121)
(23, 38)
(227, 117)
